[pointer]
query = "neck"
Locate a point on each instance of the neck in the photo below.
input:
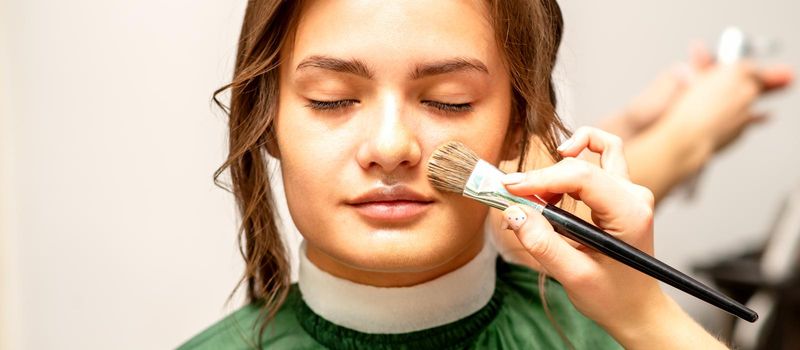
(370, 309)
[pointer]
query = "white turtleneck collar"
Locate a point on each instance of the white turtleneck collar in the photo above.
(371, 309)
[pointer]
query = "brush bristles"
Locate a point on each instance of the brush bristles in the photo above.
(450, 166)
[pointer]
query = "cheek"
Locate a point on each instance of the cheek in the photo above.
(310, 186)
(484, 132)
(305, 165)
(305, 142)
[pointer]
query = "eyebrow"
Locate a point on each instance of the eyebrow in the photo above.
(359, 68)
(449, 65)
(351, 66)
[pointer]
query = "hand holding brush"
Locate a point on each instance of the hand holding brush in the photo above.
(597, 285)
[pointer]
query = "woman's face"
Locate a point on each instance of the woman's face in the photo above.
(367, 91)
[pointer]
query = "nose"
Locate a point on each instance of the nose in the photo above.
(391, 141)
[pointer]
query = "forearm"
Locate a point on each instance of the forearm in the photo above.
(664, 155)
(665, 326)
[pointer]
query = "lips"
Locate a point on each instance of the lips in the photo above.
(391, 204)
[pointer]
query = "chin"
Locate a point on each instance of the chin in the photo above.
(397, 250)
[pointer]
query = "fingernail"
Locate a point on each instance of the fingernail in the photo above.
(565, 145)
(512, 178)
(514, 217)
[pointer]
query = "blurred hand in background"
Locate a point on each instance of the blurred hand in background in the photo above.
(688, 114)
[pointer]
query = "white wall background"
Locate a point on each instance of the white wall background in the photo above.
(112, 234)
(121, 240)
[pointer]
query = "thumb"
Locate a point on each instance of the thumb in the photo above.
(557, 257)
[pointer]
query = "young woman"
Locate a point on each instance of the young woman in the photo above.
(352, 97)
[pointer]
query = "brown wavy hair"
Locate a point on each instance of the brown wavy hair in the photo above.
(528, 33)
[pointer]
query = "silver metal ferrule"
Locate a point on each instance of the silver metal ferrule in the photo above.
(484, 186)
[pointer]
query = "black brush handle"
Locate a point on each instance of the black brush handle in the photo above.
(589, 235)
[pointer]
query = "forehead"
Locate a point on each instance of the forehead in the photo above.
(390, 34)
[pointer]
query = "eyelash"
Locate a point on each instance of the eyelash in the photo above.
(449, 107)
(330, 105)
(341, 104)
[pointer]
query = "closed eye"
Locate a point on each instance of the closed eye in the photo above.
(330, 105)
(341, 104)
(449, 107)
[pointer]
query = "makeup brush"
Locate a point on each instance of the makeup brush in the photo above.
(455, 168)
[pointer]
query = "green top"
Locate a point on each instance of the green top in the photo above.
(514, 318)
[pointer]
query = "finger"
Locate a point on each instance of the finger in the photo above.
(556, 257)
(551, 198)
(616, 201)
(700, 57)
(508, 245)
(609, 146)
(767, 79)
(775, 77)
(758, 118)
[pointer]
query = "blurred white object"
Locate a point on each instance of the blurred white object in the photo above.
(732, 46)
(746, 335)
(781, 255)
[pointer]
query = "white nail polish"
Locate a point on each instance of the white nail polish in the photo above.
(514, 217)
